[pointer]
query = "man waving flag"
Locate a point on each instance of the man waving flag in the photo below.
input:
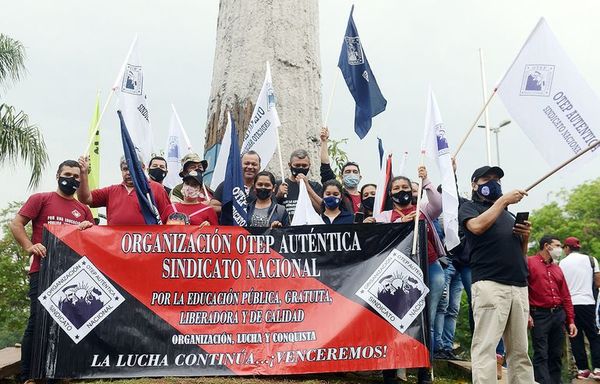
(234, 193)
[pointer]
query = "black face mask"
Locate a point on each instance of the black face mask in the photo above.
(157, 174)
(263, 193)
(297, 171)
(368, 203)
(68, 185)
(402, 198)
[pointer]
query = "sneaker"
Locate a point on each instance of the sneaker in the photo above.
(583, 374)
(595, 374)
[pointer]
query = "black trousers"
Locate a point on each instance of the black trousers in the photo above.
(547, 337)
(585, 321)
(27, 343)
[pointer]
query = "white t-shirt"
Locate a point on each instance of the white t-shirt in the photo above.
(578, 274)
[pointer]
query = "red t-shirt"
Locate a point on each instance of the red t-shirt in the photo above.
(123, 208)
(198, 213)
(432, 255)
(355, 202)
(51, 208)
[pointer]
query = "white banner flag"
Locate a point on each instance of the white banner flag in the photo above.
(178, 145)
(305, 213)
(131, 94)
(218, 175)
(261, 135)
(435, 146)
(547, 96)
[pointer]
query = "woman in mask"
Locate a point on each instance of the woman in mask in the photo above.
(367, 202)
(404, 211)
(333, 210)
(198, 213)
(264, 211)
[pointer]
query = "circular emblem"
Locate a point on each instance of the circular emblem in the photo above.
(485, 191)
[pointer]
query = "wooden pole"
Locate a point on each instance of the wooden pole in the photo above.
(474, 123)
(337, 74)
(488, 138)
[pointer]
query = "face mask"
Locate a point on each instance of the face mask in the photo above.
(263, 193)
(157, 174)
(68, 185)
(351, 180)
(369, 203)
(402, 197)
(491, 190)
(556, 253)
(297, 171)
(332, 202)
(190, 192)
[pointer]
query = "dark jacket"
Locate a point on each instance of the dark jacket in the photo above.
(344, 217)
(277, 212)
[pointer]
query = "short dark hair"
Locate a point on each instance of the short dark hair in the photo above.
(68, 163)
(264, 173)
(332, 182)
(389, 187)
(363, 189)
(547, 239)
(252, 152)
(158, 158)
(350, 163)
(299, 154)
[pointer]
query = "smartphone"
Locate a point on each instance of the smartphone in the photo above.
(359, 217)
(521, 217)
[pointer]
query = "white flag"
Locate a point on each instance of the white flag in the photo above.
(129, 88)
(261, 135)
(385, 174)
(547, 96)
(218, 175)
(435, 146)
(305, 214)
(178, 145)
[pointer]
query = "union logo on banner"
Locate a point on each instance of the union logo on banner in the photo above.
(132, 80)
(537, 80)
(354, 50)
(80, 299)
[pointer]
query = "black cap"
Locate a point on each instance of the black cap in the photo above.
(487, 170)
(194, 175)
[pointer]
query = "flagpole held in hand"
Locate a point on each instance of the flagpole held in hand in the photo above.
(337, 74)
(418, 210)
(280, 159)
(474, 123)
(89, 145)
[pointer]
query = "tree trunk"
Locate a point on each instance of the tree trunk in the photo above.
(285, 33)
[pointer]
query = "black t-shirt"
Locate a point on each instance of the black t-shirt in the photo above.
(291, 200)
(496, 254)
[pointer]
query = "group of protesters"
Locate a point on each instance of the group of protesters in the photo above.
(508, 293)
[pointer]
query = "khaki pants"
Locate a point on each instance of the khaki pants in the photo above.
(500, 310)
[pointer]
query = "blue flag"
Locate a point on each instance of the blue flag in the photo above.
(234, 194)
(360, 80)
(140, 182)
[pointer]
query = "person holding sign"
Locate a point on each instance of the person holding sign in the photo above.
(264, 211)
(333, 212)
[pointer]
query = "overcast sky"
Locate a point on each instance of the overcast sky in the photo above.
(75, 48)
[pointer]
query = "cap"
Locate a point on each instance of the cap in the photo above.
(192, 158)
(486, 170)
(193, 175)
(572, 242)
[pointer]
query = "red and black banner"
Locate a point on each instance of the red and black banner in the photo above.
(180, 301)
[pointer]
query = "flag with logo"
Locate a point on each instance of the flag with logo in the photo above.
(94, 153)
(305, 213)
(218, 175)
(435, 146)
(234, 211)
(140, 182)
(132, 101)
(547, 96)
(261, 135)
(178, 145)
(360, 80)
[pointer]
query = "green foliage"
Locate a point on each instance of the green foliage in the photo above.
(576, 214)
(14, 304)
(337, 155)
(12, 59)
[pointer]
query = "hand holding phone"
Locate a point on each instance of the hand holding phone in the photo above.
(521, 218)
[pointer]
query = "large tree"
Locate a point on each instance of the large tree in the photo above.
(19, 140)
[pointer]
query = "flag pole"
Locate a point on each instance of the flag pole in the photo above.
(185, 136)
(89, 145)
(329, 104)
(474, 123)
(418, 210)
(279, 154)
(547, 175)
(488, 137)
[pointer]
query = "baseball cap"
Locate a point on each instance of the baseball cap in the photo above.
(192, 158)
(194, 175)
(487, 170)
(572, 242)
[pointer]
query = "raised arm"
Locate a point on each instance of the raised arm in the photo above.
(84, 194)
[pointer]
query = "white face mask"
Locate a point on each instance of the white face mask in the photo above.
(190, 192)
(556, 253)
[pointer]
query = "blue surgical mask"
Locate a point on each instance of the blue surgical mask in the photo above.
(351, 180)
(491, 190)
(332, 202)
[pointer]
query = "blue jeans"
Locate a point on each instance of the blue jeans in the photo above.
(436, 289)
(447, 310)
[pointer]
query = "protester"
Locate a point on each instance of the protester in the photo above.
(191, 162)
(550, 309)
(57, 207)
(367, 202)
(250, 167)
(332, 212)
(447, 313)
(264, 211)
(289, 189)
(178, 218)
(583, 277)
(198, 212)
(157, 170)
(121, 202)
(499, 277)
(350, 175)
